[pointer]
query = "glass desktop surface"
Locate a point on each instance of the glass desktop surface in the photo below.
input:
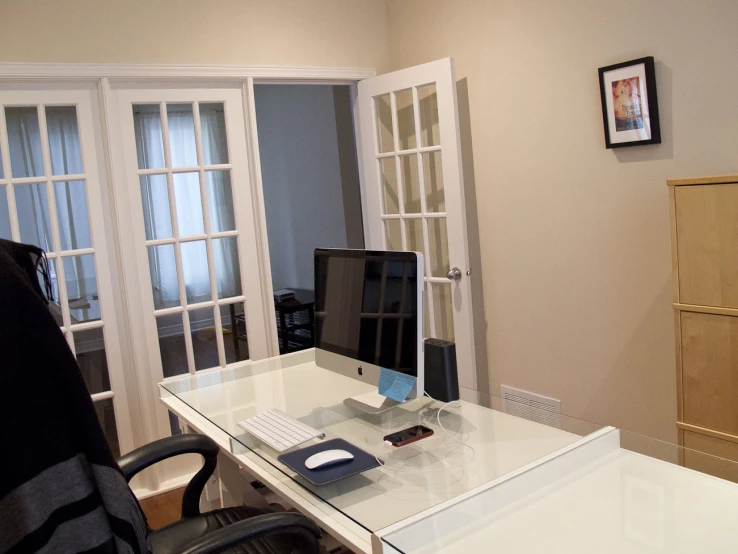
(415, 477)
(633, 497)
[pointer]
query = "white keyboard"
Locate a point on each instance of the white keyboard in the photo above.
(278, 430)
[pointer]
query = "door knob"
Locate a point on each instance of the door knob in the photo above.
(454, 274)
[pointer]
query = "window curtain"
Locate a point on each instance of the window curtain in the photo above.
(220, 197)
(188, 201)
(70, 196)
(64, 146)
(24, 138)
(26, 160)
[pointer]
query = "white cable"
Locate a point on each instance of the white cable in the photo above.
(440, 425)
(438, 417)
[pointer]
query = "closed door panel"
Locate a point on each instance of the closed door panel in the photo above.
(51, 182)
(710, 371)
(191, 238)
(707, 232)
(711, 455)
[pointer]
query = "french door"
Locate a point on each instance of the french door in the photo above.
(182, 168)
(51, 185)
(157, 244)
(413, 191)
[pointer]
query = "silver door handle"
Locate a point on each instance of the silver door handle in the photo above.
(454, 274)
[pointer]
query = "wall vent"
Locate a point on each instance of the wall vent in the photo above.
(531, 406)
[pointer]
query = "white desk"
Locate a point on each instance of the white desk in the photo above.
(489, 496)
(339, 525)
(598, 498)
(356, 507)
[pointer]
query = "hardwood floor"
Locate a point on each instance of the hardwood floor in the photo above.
(163, 509)
(205, 350)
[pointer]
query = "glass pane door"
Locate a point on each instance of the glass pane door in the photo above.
(414, 195)
(413, 208)
(184, 172)
(185, 181)
(49, 185)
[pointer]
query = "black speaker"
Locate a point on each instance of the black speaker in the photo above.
(441, 378)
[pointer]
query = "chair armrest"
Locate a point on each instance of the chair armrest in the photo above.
(189, 443)
(256, 527)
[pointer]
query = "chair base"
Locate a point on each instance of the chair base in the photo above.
(176, 536)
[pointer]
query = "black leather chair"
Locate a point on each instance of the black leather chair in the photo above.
(241, 529)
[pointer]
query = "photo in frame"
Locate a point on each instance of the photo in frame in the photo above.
(630, 110)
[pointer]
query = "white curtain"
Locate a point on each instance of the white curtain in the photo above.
(26, 160)
(188, 202)
(71, 203)
(220, 198)
(71, 197)
(32, 207)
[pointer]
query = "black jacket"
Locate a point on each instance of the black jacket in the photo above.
(60, 488)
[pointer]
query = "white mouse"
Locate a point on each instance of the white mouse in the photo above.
(328, 458)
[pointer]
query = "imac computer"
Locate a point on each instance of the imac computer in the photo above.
(369, 319)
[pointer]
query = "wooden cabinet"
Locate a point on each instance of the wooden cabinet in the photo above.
(723, 459)
(704, 231)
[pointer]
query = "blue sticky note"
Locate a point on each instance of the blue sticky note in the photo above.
(395, 385)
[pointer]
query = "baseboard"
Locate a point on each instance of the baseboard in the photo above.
(166, 486)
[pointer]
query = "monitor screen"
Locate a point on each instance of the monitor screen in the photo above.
(366, 306)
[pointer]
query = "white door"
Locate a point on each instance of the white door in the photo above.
(52, 181)
(413, 194)
(182, 168)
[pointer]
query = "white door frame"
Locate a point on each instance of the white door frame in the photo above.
(265, 269)
(138, 381)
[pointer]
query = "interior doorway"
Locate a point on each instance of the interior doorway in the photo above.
(312, 195)
(159, 264)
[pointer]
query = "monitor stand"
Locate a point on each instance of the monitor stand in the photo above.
(371, 403)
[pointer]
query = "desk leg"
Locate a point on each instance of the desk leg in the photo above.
(381, 547)
(230, 482)
(235, 490)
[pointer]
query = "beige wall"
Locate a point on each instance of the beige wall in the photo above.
(340, 33)
(575, 238)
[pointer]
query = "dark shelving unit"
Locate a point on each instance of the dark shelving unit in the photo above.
(295, 325)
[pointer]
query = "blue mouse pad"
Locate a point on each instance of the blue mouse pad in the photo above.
(362, 461)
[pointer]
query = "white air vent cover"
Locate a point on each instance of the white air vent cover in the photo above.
(531, 406)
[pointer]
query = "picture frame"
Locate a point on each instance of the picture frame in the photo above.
(630, 110)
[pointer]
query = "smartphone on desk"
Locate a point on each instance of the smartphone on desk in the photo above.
(406, 436)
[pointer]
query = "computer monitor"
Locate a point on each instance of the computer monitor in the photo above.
(368, 316)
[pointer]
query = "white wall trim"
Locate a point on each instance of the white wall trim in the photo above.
(165, 486)
(34, 70)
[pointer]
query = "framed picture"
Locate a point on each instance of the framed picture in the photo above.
(630, 108)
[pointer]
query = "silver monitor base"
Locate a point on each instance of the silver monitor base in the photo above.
(371, 403)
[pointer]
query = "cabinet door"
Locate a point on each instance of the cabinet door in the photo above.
(710, 371)
(707, 244)
(722, 460)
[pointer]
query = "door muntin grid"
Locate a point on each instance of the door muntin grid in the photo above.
(191, 234)
(44, 201)
(408, 154)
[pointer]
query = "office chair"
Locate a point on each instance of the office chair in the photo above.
(241, 529)
(61, 436)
